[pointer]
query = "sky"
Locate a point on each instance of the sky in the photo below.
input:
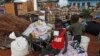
(63, 3)
(20, 0)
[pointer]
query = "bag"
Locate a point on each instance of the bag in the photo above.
(84, 42)
(75, 44)
(19, 47)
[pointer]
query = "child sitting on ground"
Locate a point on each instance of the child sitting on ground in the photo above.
(58, 41)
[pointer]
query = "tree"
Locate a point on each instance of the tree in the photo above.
(98, 4)
(7, 1)
(86, 13)
(1, 2)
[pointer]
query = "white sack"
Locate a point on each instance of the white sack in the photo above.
(19, 47)
(12, 35)
(84, 42)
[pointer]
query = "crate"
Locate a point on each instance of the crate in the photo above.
(19, 8)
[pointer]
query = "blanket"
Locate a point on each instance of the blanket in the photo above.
(72, 52)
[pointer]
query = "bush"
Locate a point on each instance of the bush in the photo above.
(86, 13)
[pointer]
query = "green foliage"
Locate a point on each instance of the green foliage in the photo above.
(53, 0)
(1, 2)
(98, 4)
(86, 13)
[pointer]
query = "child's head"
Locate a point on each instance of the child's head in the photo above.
(74, 18)
(58, 23)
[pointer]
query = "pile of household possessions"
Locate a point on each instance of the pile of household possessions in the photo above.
(36, 36)
(8, 24)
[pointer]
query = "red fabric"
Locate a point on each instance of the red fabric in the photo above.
(59, 45)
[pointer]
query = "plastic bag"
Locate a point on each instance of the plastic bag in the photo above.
(84, 42)
(19, 47)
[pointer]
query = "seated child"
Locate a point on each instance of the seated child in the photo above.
(58, 41)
